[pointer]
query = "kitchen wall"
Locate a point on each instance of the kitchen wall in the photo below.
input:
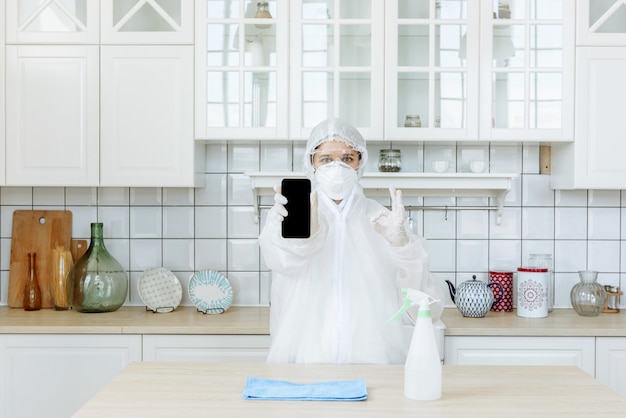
(214, 227)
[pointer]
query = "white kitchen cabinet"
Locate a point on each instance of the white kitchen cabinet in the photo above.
(479, 70)
(241, 69)
(52, 115)
(211, 348)
(515, 351)
(52, 22)
(147, 85)
(594, 160)
(611, 363)
(431, 69)
(337, 65)
(601, 23)
(2, 95)
(146, 22)
(147, 117)
(99, 114)
(54, 375)
(470, 70)
(526, 70)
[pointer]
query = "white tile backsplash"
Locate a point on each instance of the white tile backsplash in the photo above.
(243, 157)
(216, 158)
(146, 222)
(442, 255)
(82, 196)
(609, 198)
(211, 254)
(48, 196)
(15, 196)
(472, 224)
(243, 255)
(276, 157)
(239, 190)
(570, 223)
(504, 254)
(242, 222)
(178, 254)
(246, 288)
(214, 227)
(117, 221)
(603, 255)
(570, 255)
(113, 196)
(146, 196)
(214, 192)
(603, 223)
(472, 255)
(437, 225)
(146, 253)
(178, 196)
(178, 222)
(536, 191)
(210, 222)
(570, 198)
(538, 223)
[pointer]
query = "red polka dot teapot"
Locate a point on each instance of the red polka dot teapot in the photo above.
(474, 297)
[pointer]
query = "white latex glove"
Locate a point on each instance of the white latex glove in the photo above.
(278, 211)
(390, 224)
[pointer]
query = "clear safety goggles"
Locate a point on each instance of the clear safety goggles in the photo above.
(326, 156)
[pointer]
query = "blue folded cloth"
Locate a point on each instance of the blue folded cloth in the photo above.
(278, 390)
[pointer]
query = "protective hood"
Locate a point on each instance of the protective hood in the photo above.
(335, 129)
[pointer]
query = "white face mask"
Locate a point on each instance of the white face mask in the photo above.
(336, 179)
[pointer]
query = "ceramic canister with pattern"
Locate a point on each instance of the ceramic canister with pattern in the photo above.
(532, 292)
(505, 278)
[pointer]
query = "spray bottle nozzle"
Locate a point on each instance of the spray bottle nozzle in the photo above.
(413, 297)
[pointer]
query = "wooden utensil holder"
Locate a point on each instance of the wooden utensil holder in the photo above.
(611, 304)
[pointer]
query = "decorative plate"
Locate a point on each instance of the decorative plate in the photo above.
(160, 289)
(210, 292)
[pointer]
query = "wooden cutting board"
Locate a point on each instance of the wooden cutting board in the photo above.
(38, 231)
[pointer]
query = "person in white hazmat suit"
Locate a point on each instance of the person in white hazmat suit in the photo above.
(333, 293)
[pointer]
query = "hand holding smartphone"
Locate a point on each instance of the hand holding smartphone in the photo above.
(297, 223)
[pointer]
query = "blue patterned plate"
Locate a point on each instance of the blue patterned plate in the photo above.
(210, 292)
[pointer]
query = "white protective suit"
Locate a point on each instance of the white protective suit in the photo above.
(333, 293)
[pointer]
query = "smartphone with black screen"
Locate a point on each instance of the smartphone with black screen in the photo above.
(297, 223)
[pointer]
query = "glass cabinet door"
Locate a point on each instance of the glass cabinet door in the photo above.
(241, 69)
(601, 23)
(527, 77)
(337, 64)
(147, 21)
(431, 70)
(50, 22)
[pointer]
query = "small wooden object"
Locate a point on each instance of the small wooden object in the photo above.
(611, 305)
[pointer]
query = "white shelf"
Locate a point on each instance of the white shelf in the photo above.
(493, 185)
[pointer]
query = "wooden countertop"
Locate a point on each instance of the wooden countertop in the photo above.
(559, 323)
(255, 321)
(164, 389)
(135, 320)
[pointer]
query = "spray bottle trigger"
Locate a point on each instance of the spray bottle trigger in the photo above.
(407, 304)
(413, 297)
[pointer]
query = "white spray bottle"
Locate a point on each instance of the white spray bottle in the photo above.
(422, 370)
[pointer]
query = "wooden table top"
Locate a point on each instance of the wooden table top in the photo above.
(170, 389)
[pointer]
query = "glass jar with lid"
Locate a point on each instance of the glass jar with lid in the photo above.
(389, 160)
(545, 261)
(412, 121)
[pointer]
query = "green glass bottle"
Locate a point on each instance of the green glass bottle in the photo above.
(100, 284)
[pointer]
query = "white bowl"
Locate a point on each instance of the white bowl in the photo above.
(478, 166)
(440, 166)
